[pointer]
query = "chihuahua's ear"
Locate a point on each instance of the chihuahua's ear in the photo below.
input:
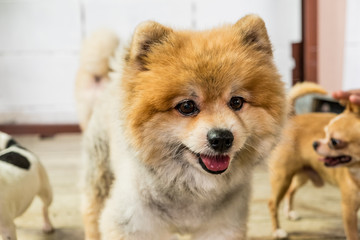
(353, 108)
(146, 36)
(253, 33)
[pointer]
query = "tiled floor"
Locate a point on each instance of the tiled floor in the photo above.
(320, 208)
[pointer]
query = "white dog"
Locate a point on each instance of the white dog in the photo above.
(22, 177)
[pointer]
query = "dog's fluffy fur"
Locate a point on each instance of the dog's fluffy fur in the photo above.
(152, 165)
(294, 161)
(22, 177)
(93, 72)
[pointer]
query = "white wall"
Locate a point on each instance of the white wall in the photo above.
(352, 46)
(40, 41)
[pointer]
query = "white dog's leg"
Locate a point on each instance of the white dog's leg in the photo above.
(48, 227)
(46, 196)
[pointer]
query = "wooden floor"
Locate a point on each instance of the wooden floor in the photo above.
(61, 156)
(319, 208)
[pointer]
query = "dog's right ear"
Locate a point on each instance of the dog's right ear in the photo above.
(147, 35)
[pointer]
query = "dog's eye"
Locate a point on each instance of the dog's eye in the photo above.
(187, 108)
(337, 144)
(334, 142)
(236, 103)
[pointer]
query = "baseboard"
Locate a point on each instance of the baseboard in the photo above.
(42, 129)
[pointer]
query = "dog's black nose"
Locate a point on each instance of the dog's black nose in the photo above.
(316, 145)
(220, 139)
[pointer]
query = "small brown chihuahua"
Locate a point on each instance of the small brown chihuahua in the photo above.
(307, 152)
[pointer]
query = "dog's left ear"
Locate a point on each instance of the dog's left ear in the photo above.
(353, 108)
(253, 33)
(147, 35)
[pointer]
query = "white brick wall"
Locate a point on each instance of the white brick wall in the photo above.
(123, 16)
(40, 41)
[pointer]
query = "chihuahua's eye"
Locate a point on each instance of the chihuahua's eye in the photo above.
(187, 108)
(236, 103)
(335, 142)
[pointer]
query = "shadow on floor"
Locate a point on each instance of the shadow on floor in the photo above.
(59, 234)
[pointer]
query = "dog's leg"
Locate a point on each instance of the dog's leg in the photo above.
(8, 230)
(48, 227)
(298, 181)
(45, 194)
(223, 229)
(98, 180)
(131, 219)
(91, 209)
(350, 207)
(280, 183)
(92, 205)
(221, 225)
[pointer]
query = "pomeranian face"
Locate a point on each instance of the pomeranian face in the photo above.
(202, 98)
(341, 145)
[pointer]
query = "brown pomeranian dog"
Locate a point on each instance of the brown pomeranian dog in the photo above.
(171, 146)
(93, 73)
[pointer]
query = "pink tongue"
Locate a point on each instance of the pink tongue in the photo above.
(216, 163)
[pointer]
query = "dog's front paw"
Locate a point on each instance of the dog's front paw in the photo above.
(293, 216)
(280, 234)
(48, 229)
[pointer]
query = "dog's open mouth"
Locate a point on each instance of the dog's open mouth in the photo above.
(334, 161)
(214, 164)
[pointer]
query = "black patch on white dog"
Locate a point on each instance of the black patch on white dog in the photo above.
(16, 159)
(10, 143)
(14, 143)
